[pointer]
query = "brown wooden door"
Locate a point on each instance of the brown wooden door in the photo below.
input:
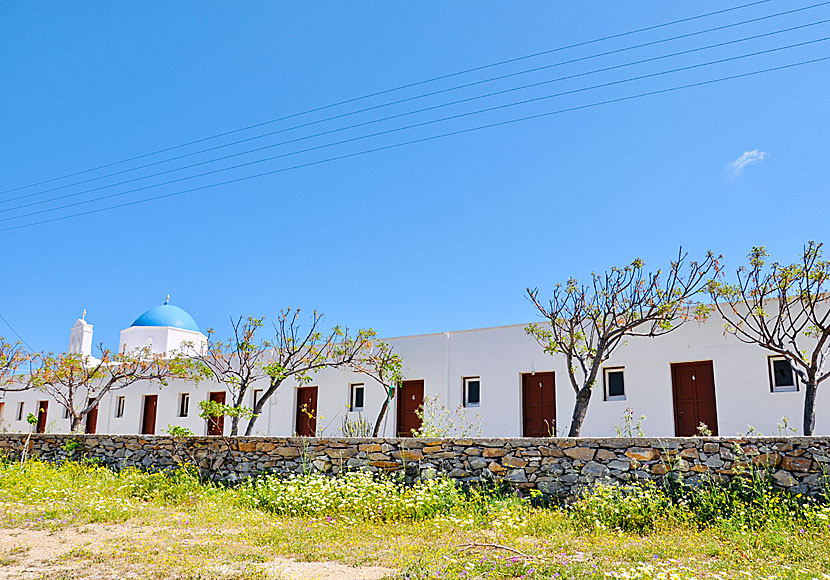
(148, 419)
(693, 391)
(410, 399)
(42, 408)
(92, 419)
(306, 416)
(538, 405)
(216, 425)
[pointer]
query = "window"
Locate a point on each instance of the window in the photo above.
(20, 411)
(66, 412)
(119, 406)
(257, 396)
(781, 375)
(184, 404)
(356, 398)
(614, 379)
(472, 391)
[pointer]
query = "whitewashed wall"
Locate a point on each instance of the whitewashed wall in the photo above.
(499, 356)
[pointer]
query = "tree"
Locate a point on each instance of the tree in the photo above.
(12, 357)
(238, 363)
(384, 366)
(298, 353)
(784, 308)
(587, 322)
(78, 382)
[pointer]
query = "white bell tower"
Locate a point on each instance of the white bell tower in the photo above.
(80, 337)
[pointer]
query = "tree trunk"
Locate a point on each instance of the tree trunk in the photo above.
(234, 426)
(810, 406)
(381, 415)
(266, 395)
(77, 421)
(580, 410)
(250, 428)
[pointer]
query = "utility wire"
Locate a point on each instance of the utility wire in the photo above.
(380, 120)
(396, 89)
(417, 97)
(17, 334)
(406, 127)
(425, 139)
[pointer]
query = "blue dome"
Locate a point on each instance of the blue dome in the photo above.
(167, 315)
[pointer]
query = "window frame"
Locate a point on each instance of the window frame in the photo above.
(20, 407)
(352, 392)
(184, 405)
(256, 396)
(771, 372)
(605, 372)
(66, 412)
(120, 404)
(465, 391)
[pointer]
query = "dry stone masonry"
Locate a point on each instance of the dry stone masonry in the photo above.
(556, 466)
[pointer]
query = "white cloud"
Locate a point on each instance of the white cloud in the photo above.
(748, 158)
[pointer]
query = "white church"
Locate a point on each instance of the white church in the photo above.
(493, 382)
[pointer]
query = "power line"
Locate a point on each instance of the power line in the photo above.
(396, 89)
(398, 129)
(17, 334)
(370, 122)
(399, 101)
(425, 139)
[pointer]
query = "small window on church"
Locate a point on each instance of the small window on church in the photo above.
(119, 406)
(184, 404)
(20, 411)
(149, 343)
(614, 379)
(781, 375)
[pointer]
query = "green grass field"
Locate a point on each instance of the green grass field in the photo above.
(83, 521)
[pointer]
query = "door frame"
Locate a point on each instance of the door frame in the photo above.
(42, 416)
(216, 422)
(521, 413)
(144, 412)
(93, 416)
(297, 396)
(672, 366)
(399, 403)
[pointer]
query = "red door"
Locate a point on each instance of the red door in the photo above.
(693, 391)
(410, 399)
(306, 416)
(42, 408)
(538, 405)
(148, 420)
(216, 425)
(91, 419)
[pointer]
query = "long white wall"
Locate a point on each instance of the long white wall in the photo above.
(499, 356)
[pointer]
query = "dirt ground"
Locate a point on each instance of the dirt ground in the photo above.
(76, 554)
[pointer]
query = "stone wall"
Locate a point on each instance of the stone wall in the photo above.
(558, 467)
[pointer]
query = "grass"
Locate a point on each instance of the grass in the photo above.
(138, 525)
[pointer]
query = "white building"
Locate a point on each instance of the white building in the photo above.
(497, 381)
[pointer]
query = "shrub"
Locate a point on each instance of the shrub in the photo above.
(359, 494)
(633, 508)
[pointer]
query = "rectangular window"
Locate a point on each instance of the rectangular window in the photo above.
(472, 391)
(781, 375)
(66, 412)
(119, 406)
(257, 396)
(614, 379)
(356, 400)
(184, 404)
(20, 411)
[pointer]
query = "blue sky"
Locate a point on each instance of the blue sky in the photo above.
(435, 236)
